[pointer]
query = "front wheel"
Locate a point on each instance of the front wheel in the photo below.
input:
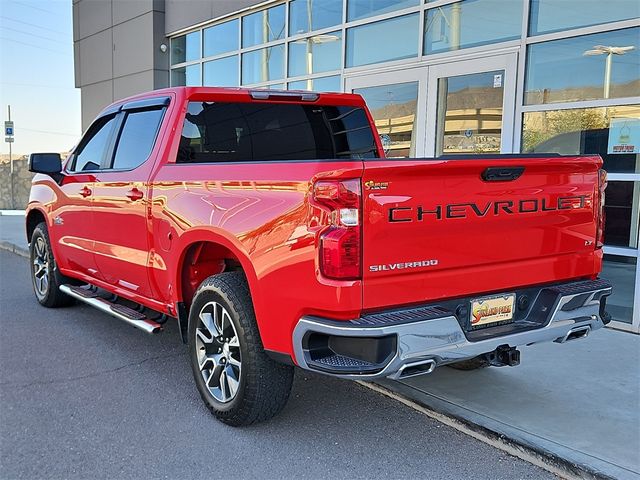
(236, 379)
(45, 276)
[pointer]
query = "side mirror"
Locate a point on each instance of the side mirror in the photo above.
(47, 163)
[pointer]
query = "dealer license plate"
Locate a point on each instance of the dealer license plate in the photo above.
(494, 309)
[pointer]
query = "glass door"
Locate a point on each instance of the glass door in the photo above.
(471, 106)
(394, 101)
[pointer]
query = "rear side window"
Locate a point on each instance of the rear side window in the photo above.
(94, 146)
(224, 132)
(137, 138)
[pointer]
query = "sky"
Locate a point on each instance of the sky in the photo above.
(36, 75)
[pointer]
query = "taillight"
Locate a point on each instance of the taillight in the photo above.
(340, 243)
(602, 185)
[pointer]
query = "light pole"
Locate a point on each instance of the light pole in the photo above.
(609, 51)
(309, 42)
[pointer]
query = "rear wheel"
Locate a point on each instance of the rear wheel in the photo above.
(471, 364)
(45, 276)
(236, 379)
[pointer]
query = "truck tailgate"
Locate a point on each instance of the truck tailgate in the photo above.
(437, 229)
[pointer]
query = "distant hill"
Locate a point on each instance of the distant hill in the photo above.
(4, 157)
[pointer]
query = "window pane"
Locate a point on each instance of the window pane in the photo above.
(222, 72)
(137, 138)
(185, 48)
(470, 113)
(222, 132)
(471, 23)
(556, 15)
(189, 76)
(392, 39)
(602, 65)
(263, 26)
(393, 108)
(621, 272)
(621, 204)
(365, 8)
(322, 84)
(263, 65)
(316, 54)
(585, 131)
(92, 151)
(221, 38)
(308, 15)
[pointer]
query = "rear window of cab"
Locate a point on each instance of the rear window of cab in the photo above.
(232, 132)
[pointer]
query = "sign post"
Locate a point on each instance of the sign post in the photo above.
(8, 137)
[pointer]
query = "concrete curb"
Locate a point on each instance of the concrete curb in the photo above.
(512, 444)
(12, 213)
(23, 252)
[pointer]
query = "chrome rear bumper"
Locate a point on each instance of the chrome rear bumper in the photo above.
(413, 341)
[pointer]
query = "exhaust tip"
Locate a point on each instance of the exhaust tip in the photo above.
(417, 368)
(576, 333)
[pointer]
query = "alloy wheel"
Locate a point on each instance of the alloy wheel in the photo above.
(41, 267)
(218, 352)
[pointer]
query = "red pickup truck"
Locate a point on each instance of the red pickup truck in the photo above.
(271, 226)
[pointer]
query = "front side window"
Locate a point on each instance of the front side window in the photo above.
(94, 146)
(137, 138)
(223, 132)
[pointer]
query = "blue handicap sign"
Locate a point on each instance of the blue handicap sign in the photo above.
(8, 131)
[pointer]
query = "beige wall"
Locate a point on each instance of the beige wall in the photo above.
(21, 183)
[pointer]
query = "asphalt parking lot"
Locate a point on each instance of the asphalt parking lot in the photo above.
(83, 395)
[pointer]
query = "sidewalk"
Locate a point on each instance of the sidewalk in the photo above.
(577, 404)
(12, 232)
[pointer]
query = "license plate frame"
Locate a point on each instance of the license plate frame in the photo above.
(492, 310)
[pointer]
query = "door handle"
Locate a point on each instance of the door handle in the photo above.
(135, 194)
(85, 192)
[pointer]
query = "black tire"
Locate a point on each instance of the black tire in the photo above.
(471, 364)
(43, 266)
(264, 384)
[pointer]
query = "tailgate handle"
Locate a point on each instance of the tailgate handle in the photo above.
(502, 174)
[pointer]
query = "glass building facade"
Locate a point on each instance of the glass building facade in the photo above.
(465, 76)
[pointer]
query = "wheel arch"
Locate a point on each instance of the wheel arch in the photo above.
(204, 253)
(34, 217)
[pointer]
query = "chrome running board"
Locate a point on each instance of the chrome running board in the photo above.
(121, 312)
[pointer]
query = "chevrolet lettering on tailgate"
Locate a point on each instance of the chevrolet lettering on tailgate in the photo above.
(499, 207)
